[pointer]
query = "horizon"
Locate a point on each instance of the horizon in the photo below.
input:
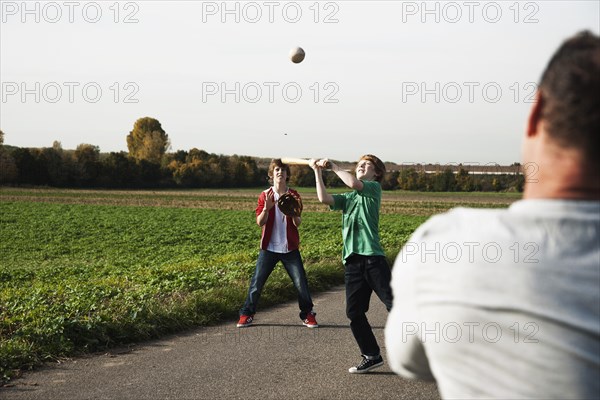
(267, 158)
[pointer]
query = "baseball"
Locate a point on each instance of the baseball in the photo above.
(297, 55)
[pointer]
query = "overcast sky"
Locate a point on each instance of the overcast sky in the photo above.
(436, 81)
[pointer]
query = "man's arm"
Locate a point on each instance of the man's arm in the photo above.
(406, 353)
(405, 350)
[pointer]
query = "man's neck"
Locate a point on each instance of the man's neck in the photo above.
(560, 174)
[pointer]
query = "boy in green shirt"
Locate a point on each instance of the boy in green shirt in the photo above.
(366, 269)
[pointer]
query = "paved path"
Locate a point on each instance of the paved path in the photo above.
(277, 358)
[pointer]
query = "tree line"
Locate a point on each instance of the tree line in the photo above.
(148, 164)
(448, 181)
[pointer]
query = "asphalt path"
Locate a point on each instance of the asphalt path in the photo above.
(276, 358)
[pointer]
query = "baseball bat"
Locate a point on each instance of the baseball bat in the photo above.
(299, 161)
(294, 161)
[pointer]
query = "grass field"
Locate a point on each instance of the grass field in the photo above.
(81, 271)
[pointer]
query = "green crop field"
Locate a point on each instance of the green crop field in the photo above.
(81, 271)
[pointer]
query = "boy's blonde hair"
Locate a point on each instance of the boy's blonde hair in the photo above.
(379, 165)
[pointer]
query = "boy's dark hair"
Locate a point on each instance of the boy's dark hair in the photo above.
(379, 165)
(276, 162)
(570, 95)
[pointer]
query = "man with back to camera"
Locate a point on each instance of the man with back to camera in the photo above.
(506, 303)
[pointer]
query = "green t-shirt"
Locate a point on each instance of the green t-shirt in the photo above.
(360, 220)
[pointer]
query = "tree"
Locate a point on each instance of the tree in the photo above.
(464, 183)
(444, 181)
(118, 170)
(407, 179)
(180, 155)
(197, 155)
(147, 141)
(302, 176)
(242, 171)
(87, 158)
(31, 169)
(390, 180)
(54, 161)
(8, 167)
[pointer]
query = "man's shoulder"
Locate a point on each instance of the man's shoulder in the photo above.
(460, 219)
(460, 213)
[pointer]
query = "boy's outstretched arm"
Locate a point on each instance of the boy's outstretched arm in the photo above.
(348, 178)
(322, 194)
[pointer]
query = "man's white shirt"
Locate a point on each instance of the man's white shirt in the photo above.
(501, 303)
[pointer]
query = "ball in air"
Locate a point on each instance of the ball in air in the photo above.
(297, 55)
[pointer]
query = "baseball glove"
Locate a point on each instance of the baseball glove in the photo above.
(290, 204)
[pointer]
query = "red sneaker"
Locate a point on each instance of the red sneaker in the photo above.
(245, 320)
(310, 321)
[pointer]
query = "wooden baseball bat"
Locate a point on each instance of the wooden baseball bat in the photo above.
(294, 161)
(299, 161)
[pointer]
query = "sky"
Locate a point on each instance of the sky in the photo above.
(408, 81)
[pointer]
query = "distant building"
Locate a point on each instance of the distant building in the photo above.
(473, 169)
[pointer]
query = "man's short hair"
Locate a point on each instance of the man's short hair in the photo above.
(379, 165)
(276, 162)
(570, 95)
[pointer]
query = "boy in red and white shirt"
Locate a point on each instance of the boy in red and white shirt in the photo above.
(279, 242)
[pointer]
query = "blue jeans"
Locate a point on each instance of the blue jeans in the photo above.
(363, 276)
(264, 266)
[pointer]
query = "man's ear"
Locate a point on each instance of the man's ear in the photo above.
(535, 115)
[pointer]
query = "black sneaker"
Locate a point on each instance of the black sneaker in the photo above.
(366, 365)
